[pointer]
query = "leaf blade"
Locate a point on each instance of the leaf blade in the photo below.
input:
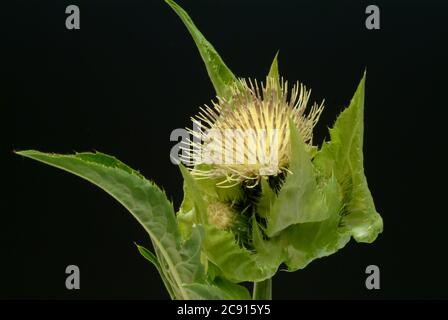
(236, 264)
(143, 199)
(148, 255)
(343, 155)
(220, 75)
(274, 73)
(299, 199)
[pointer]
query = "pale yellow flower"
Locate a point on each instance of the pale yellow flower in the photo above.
(246, 137)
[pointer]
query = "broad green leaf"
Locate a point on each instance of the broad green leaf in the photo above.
(299, 244)
(343, 156)
(233, 291)
(220, 75)
(299, 199)
(308, 241)
(147, 203)
(268, 251)
(236, 264)
(190, 263)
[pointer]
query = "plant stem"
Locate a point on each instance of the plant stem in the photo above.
(262, 290)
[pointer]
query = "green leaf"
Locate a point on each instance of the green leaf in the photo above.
(274, 72)
(343, 156)
(194, 196)
(235, 263)
(190, 252)
(299, 244)
(308, 241)
(268, 251)
(147, 203)
(208, 192)
(299, 200)
(266, 200)
(220, 289)
(220, 75)
(185, 221)
(148, 255)
(232, 290)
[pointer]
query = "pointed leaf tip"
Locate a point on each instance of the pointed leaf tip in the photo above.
(220, 75)
(343, 155)
(274, 72)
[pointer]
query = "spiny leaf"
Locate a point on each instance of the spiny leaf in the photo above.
(301, 243)
(343, 156)
(299, 199)
(306, 242)
(147, 203)
(220, 75)
(236, 264)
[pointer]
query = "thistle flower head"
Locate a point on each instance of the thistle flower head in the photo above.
(246, 137)
(220, 214)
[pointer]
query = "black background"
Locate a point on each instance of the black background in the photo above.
(132, 74)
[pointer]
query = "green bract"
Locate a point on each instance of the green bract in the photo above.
(321, 203)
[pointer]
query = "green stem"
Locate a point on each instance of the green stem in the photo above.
(262, 290)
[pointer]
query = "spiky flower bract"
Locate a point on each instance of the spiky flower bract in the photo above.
(246, 136)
